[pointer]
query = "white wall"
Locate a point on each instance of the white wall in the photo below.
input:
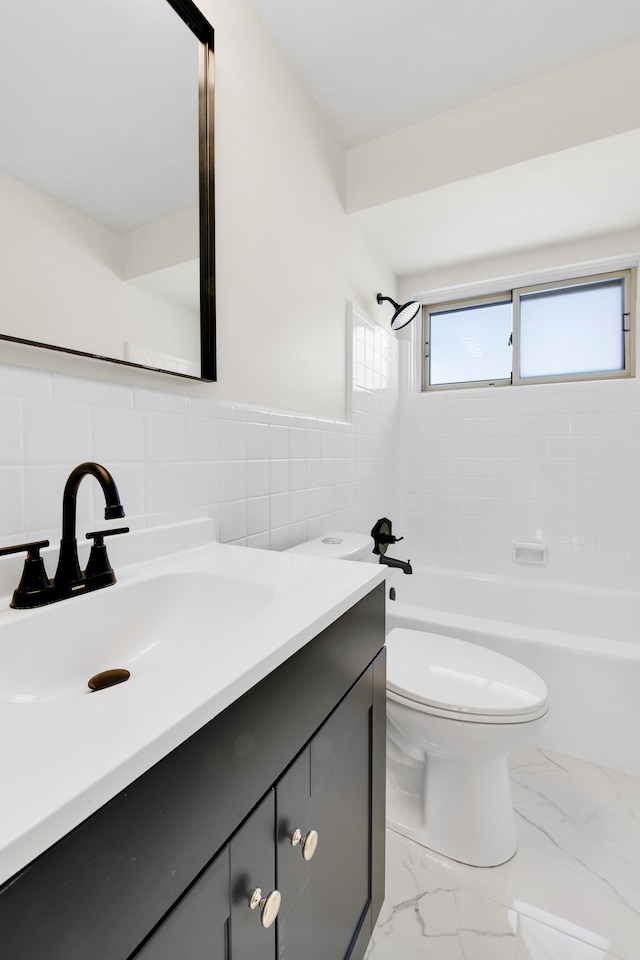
(558, 463)
(266, 450)
(285, 248)
(578, 258)
(287, 258)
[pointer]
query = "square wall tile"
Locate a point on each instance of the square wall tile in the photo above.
(257, 478)
(165, 488)
(257, 515)
(297, 443)
(279, 509)
(12, 507)
(164, 438)
(232, 443)
(232, 521)
(201, 438)
(233, 480)
(118, 435)
(43, 488)
(257, 438)
(22, 382)
(278, 442)
(11, 430)
(56, 432)
(203, 483)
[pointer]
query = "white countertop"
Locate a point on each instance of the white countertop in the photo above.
(62, 759)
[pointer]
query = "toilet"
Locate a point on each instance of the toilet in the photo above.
(454, 711)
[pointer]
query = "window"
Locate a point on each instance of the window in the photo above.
(567, 330)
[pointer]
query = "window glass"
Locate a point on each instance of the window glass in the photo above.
(470, 344)
(572, 330)
(565, 330)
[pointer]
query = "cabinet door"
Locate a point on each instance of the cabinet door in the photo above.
(198, 926)
(252, 852)
(293, 804)
(326, 901)
(340, 811)
(214, 919)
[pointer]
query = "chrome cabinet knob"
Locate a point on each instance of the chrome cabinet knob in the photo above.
(307, 843)
(268, 905)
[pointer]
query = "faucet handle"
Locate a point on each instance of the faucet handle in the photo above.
(97, 535)
(34, 587)
(99, 564)
(29, 548)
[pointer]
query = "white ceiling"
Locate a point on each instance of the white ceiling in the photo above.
(377, 66)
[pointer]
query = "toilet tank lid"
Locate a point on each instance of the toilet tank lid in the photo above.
(337, 545)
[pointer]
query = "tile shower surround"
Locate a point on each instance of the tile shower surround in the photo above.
(462, 474)
(560, 463)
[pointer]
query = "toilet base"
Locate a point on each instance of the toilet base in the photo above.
(459, 808)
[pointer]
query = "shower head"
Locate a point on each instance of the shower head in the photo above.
(404, 314)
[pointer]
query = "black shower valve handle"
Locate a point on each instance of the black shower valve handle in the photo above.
(388, 538)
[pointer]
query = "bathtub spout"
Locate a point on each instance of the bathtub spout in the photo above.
(404, 565)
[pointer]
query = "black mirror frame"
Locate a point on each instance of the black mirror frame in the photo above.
(203, 30)
(204, 33)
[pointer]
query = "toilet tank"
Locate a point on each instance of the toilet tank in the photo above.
(338, 546)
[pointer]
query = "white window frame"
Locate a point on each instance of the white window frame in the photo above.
(514, 295)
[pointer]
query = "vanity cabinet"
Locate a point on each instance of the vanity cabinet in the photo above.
(198, 926)
(167, 868)
(325, 898)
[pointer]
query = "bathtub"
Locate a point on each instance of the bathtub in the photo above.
(584, 642)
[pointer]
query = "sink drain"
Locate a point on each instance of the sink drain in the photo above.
(108, 678)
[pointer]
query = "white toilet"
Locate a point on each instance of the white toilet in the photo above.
(454, 711)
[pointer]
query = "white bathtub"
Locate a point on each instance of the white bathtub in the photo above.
(584, 642)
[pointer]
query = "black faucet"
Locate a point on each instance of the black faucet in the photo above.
(404, 565)
(35, 588)
(382, 537)
(68, 575)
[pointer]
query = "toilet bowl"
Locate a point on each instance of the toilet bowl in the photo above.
(454, 711)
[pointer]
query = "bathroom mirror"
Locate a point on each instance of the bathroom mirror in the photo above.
(106, 181)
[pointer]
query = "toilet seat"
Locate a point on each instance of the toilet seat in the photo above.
(458, 680)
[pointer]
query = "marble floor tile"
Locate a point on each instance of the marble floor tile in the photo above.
(539, 942)
(572, 891)
(427, 917)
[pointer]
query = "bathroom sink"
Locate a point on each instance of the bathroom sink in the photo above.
(140, 627)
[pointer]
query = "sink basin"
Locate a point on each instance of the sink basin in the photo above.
(139, 627)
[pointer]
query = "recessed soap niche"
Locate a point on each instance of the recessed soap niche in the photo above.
(530, 551)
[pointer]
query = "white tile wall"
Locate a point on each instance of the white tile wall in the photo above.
(271, 479)
(462, 474)
(558, 463)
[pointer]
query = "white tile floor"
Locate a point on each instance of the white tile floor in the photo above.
(572, 891)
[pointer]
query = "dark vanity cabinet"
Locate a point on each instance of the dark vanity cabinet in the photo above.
(169, 867)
